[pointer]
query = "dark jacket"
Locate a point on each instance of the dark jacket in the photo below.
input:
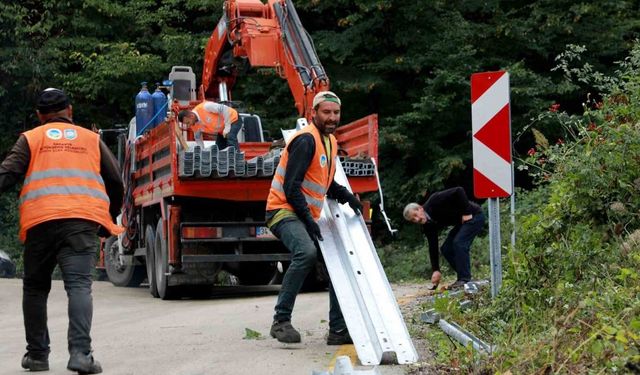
(445, 208)
(15, 165)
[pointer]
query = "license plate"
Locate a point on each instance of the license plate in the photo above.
(263, 232)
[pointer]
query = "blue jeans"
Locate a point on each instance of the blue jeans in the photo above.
(72, 245)
(232, 137)
(456, 247)
(293, 234)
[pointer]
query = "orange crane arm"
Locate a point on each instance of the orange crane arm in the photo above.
(262, 35)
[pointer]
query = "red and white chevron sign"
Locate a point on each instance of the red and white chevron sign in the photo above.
(491, 127)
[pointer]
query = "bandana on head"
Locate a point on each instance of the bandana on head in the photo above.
(325, 96)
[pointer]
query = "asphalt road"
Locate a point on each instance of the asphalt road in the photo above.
(134, 333)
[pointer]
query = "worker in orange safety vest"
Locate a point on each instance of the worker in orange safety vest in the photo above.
(72, 191)
(214, 119)
(303, 178)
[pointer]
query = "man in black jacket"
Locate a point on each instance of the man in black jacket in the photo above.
(66, 237)
(446, 208)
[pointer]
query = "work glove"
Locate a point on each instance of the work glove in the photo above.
(355, 204)
(313, 228)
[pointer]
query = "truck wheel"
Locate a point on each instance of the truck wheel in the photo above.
(120, 274)
(162, 264)
(150, 237)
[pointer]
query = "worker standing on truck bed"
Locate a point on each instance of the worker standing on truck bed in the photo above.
(302, 179)
(215, 119)
(72, 190)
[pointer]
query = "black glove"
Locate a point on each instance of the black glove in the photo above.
(313, 228)
(355, 204)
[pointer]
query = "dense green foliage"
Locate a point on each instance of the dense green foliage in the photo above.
(570, 301)
(571, 285)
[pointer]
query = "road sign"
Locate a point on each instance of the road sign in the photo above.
(491, 128)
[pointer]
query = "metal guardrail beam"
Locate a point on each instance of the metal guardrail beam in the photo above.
(368, 304)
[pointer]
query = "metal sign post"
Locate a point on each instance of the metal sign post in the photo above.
(494, 245)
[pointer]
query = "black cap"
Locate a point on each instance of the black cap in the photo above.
(52, 100)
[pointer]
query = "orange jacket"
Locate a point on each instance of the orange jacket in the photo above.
(214, 118)
(316, 181)
(63, 179)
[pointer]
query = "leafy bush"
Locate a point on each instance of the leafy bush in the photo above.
(570, 298)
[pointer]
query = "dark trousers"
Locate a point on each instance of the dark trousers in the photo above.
(71, 244)
(232, 137)
(293, 234)
(456, 247)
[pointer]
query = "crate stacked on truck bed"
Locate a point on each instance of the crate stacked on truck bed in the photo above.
(357, 167)
(212, 162)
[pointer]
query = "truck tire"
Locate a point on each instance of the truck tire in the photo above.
(162, 264)
(150, 239)
(119, 274)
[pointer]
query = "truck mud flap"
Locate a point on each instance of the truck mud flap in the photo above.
(368, 304)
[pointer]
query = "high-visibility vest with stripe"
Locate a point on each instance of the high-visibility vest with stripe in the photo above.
(316, 181)
(63, 179)
(211, 122)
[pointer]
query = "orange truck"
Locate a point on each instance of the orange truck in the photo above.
(192, 210)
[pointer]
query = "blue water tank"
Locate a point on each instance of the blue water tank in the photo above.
(144, 110)
(159, 105)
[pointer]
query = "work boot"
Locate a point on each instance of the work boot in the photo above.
(32, 364)
(284, 332)
(341, 337)
(84, 364)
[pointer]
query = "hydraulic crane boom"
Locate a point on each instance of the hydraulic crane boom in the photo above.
(262, 35)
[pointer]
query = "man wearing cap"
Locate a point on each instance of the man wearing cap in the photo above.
(72, 190)
(214, 119)
(302, 180)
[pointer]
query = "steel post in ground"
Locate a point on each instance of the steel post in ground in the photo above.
(494, 246)
(512, 210)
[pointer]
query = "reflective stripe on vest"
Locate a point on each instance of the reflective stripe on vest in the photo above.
(64, 190)
(58, 172)
(63, 178)
(277, 185)
(316, 180)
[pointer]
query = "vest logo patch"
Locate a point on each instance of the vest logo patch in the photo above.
(70, 134)
(54, 134)
(323, 161)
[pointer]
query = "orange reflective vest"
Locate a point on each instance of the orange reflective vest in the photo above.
(316, 181)
(63, 179)
(211, 122)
